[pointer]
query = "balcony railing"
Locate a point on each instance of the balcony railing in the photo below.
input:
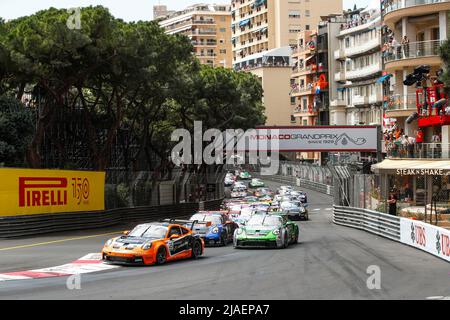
(364, 71)
(413, 50)
(402, 102)
(402, 4)
(397, 150)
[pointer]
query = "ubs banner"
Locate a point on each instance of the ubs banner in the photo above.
(426, 237)
(321, 139)
(29, 191)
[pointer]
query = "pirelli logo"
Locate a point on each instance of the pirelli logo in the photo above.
(45, 191)
(34, 191)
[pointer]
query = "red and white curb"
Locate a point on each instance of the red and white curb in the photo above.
(87, 264)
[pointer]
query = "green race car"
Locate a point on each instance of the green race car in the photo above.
(266, 231)
(244, 175)
(256, 183)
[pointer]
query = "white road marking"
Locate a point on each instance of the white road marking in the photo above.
(82, 265)
(438, 298)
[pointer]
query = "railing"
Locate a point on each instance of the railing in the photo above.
(364, 71)
(402, 102)
(378, 223)
(413, 50)
(397, 150)
(402, 4)
(204, 22)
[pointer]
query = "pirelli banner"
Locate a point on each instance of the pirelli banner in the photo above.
(319, 138)
(29, 191)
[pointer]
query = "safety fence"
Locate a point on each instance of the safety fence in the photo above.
(19, 226)
(420, 235)
(303, 175)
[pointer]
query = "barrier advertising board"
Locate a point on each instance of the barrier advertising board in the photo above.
(28, 191)
(424, 236)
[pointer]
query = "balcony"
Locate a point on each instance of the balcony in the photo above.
(364, 72)
(398, 9)
(337, 103)
(340, 76)
(426, 51)
(204, 32)
(339, 54)
(210, 22)
(359, 49)
(204, 43)
(360, 100)
(401, 105)
(436, 151)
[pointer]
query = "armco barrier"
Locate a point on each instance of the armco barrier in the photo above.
(290, 180)
(371, 221)
(46, 223)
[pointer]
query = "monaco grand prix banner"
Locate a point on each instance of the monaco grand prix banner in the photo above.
(28, 191)
(320, 138)
(426, 237)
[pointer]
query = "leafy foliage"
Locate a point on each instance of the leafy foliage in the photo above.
(122, 76)
(16, 129)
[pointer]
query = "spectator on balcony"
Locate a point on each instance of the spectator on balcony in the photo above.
(419, 142)
(405, 47)
(395, 47)
(411, 143)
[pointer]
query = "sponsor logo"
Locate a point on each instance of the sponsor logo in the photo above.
(335, 139)
(52, 191)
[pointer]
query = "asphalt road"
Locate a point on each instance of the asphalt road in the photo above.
(330, 262)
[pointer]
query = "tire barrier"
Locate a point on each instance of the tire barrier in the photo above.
(19, 226)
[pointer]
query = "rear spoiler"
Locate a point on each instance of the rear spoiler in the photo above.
(186, 222)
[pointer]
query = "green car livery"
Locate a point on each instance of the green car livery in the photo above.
(266, 231)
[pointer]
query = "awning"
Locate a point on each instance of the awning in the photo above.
(413, 167)
(244, 22)
(383, 78)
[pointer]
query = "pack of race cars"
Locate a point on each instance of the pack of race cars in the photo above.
(260, 218)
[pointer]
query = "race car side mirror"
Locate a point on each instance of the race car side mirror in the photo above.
(126, 232)
(174, 236)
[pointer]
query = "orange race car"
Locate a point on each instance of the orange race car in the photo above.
(155, 243)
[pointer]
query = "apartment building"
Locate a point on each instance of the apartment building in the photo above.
(425, 24)
(160, 11)
(359, 94)
(311, 85)
(264, 32)
(261, 25)
(209, 28)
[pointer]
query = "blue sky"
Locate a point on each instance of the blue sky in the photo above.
(126, 9)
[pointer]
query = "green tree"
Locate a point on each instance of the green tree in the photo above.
(16, 130)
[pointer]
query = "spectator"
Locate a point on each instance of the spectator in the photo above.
(392, 204)
(411, 146)
(419, 142)
(405, 47)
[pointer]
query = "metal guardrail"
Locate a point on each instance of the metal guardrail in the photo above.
(19, 226)
(368, 220)
(316, 186)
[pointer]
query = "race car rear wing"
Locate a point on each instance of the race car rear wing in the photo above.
(187, 222)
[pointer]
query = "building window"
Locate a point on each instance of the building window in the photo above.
(223, 30)
(307, 27)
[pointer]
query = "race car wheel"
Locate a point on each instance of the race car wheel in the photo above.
(223, 239)
(286, 241)
(196, 249)
(296, 237)
(161, 256)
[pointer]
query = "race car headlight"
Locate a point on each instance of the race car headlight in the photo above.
(215, 230)
(147, 245)
(240, 231)
(276, 232)
(109, 242)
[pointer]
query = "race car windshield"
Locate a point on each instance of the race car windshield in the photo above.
(264, 221)
(206, 218)
(146, 231)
